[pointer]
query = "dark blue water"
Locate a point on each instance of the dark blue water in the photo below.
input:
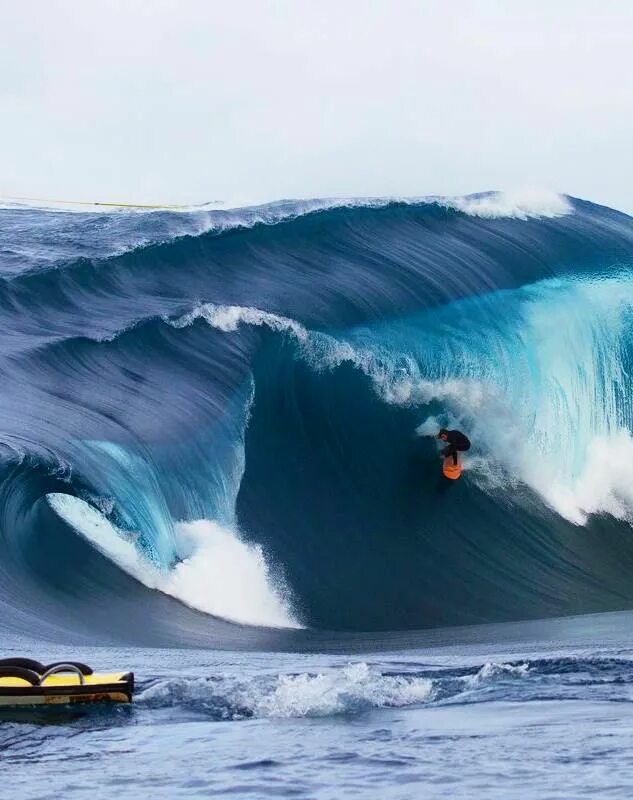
(216, 470)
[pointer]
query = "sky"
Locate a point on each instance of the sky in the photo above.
(189, 101)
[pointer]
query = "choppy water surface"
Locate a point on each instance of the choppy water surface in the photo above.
(526, 722)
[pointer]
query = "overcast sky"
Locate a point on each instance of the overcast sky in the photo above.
(197, 100)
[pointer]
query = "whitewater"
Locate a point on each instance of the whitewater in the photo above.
(217, 468)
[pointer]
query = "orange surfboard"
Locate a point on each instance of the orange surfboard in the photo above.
(451, 470)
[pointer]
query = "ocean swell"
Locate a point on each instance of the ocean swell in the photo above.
(235, 411)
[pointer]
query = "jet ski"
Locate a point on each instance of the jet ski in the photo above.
(26, 682)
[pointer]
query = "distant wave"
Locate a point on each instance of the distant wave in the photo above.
(59, 231)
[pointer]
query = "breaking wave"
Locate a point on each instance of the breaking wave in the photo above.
(233, 408)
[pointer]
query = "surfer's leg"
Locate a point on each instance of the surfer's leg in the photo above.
(451, 450)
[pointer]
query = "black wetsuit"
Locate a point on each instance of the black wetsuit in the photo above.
(457, 442)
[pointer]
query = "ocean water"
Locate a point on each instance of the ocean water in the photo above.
(217, 470)
(516, 718)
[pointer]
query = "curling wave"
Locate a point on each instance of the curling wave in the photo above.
(230, 408)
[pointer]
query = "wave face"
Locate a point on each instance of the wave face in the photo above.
(222, 415)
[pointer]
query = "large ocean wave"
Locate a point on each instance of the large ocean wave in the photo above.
(231, 408)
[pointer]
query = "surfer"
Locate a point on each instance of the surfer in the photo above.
(458, 442)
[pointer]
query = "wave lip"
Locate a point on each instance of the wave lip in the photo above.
(519, 203)
(523, 204)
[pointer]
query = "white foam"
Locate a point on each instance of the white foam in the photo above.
(524, 203)
(229, 318)
(605, 484)
(429, 427)
(354, 688)
(228, 578)
(518, 454)
(551, 411)
(223, 576)
(492, 672)
(337, 692)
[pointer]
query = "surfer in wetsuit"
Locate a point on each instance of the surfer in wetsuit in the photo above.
(457, 442)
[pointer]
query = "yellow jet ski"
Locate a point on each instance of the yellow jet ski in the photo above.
(25, 682)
